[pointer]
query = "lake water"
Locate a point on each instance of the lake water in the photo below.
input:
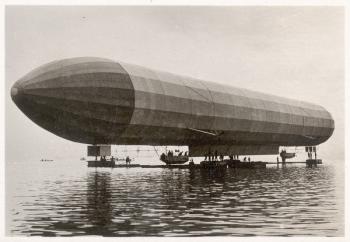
(69, 199)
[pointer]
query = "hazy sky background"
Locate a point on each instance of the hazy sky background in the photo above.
(296, 52)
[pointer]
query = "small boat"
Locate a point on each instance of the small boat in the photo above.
(288, 155)
(174, 159)
(44, 160)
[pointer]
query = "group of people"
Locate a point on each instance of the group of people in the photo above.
(234, 157)
(213, 156)
(245, 159)
(171, 153)
(127, 159)
(103, 158)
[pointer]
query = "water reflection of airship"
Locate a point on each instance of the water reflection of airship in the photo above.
(99, 101)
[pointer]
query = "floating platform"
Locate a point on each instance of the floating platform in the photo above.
(286, 162)
(307, 162)
(237, 164)
(166, 166)
(203, 165)
(211, 165)
(100, 163)
(110, 164)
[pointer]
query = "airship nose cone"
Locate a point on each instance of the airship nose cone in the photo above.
(87, 100)
(16, 93)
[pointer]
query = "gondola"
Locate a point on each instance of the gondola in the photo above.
(173, 159)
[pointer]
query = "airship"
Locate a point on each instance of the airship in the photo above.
(103, 102)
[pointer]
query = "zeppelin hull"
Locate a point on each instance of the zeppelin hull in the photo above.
(99, 101)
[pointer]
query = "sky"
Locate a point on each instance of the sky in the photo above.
(295, 52)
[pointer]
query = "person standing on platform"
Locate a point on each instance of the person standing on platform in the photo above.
(127, 160)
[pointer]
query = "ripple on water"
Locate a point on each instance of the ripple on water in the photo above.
(144, 202)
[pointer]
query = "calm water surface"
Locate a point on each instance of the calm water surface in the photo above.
(69, 199)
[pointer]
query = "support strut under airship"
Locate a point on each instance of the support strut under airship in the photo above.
(100, 101)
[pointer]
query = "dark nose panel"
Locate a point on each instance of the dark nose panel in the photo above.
(87, 100)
